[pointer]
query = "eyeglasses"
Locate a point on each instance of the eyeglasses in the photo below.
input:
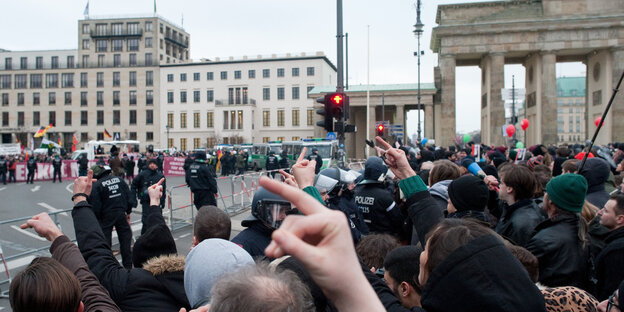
(611, 302)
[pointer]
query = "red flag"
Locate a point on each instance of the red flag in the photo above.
(74, 142)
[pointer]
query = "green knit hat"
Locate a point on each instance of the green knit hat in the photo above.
(568, 191)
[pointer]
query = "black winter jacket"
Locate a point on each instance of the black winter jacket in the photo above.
(380, 212)
(609, 271)
(111, 193)
(518, 221)
(158, 286)
(254, 239)
(201, 177)
(146, 179)
(481, 276)
(562, 259)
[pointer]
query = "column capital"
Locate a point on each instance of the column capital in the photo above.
(547, 52)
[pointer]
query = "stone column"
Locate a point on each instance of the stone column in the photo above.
(549, 98)
(599, 89)
(428, 119)
(617, 108)
(495, 102)
(447, 107)
(533, 100)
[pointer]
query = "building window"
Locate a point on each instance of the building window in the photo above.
(100, 117)
(196, 96)
(209, 76)
(133, 117)
(148, 26)
(70, 61)
(196, 143)
(100, 98)
(100, 60)
(68, 98)
(52, 98)
(84, 136)
(54, 62)
(116, 117)
(5, 119)
(23, 63)
(266, 73)
(84, 80)
(266, 139)
(36, 98)
(240, 119)
(116, 98)
(237, 74)
(295, 117)
(310, 71)
(170, 120)
(251, 74)
(225, 120)
(133, 44)
(233, 119)
(210, 120)
(182, 77)
(20, 119)
(52, 118)
(280, 93)
(280, 117)
(149, 136)
(67, 80)
(183, 120)
(149, 78)
(100, 79)
(83, 98)
(36, 119)
(266, 94)
(100, 45)
(116, 79)
(183, 144)
(295, 93)
(8, 63)
(21, 81)
(231, 96)
(266, 118)
(196, 120)
(100, 136)
(149, 117)
(210, 95)
(295, 71)
(5, 99)
(223, 75)
(169, 77)
(85, 29)
(210, 142)
(182, 96)
(68, 118)
(132, 97)
(117, 45)
(280, 72)
(195, 76)
(133, 79)
(148, 42)
(133, 59)
(51, 80)
(5, 81)
(149, 97)
(36, 81)
(85, 61)
(169, 143)
(169, 97)
(238, 95)
(84, 118)
(20, 99)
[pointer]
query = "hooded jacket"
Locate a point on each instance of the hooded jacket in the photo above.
(481, 276)
(158, 286)
(596, 172)
(439, 192)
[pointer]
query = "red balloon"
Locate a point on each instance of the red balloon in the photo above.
(525, 124)
(597, 121)
(511, 129)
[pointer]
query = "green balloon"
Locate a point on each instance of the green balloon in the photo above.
(519, 145)
(466, 138)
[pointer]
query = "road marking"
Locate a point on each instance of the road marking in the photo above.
(17, 228)
(69, 187)
(36, 188)
(2, 188)
(184, 235)
(19, 262)
(52, 209)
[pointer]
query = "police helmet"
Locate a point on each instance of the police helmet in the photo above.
(200, 155)
(314, 149)
(337, 178)
(269, 208)
(375, 170)
(100, 171)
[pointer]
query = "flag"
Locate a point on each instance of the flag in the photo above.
(60, 142)
(106, 134)
(476, 150)
(154, 6)
(74, 142)
(116, 138)
(40, 132)
(86, 11)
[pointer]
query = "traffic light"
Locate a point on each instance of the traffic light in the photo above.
(336, 106)
(380, 130)
(328, 121)
(337, 101)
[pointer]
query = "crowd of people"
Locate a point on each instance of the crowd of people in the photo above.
(418, 229)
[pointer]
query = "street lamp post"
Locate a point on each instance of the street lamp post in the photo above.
(168, 136)
(418, 30)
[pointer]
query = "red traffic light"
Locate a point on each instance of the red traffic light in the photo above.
(337, 99)
(380, 128)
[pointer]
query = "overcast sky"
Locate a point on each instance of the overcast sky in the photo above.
(252, 27)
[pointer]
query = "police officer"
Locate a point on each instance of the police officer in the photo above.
(284, 162)
(381, 213)
(112, 204)
(201, 179)
(143, 180)
(83, 165)
(31, 165)
(4, 167)
(142, 163)
(272, 163)
(316, 157)
(56, 164)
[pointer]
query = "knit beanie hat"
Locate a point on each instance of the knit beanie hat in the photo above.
(568, 191)
(534, 161)
(156, 241)
(512, 154)
(468, 193)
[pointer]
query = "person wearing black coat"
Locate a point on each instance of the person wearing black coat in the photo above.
(608, 264)
(4, 167)
(32, 168)
(140, 184)
(154, 285)
(129, 167)
(272, 163)
(284, 162)
(56, 164)
(201, 180)
(316, 157)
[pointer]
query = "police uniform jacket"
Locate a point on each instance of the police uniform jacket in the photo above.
(111, 193)
(201, 177)
(379, 210)
(272, 163)
(146, 179)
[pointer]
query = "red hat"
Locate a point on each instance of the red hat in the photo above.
(580, 155)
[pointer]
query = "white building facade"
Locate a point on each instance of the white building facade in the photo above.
(244, 100)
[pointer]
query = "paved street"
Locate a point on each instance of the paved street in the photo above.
(23, 200)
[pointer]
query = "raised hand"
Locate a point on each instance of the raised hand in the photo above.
(303, 170)
(82, 185)
(155, 192)
(396, 160)
(44, 226)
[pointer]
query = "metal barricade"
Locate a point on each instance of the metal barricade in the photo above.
(183, 215)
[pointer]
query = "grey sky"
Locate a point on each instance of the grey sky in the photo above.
(252, 27)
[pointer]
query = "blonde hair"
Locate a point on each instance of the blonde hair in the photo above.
(589, 211)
